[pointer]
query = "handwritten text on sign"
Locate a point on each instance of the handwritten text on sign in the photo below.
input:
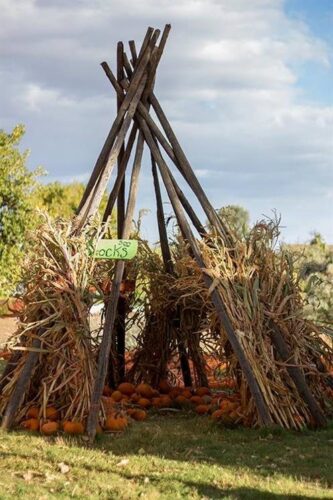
(114, 249)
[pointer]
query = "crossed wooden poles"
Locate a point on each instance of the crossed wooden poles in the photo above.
(134, 86)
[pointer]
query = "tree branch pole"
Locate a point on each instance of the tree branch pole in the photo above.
(296, 374)
(107, 147)
(261, 405)
(121, 173)
(21, 385)
(118, 344)
(117, 134)
(110, 317)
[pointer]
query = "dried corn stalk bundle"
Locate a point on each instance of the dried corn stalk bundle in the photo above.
(261, 294)
(60, 283)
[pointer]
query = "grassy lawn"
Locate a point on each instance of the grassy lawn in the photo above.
(170, 457)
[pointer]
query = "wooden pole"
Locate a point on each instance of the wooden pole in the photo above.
(261, 405)
(112, 309)
(107, 147)
(21, 385)
(121, 173)
(296, 374)
(119, 337)
(117, 134)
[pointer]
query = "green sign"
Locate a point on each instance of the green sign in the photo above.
(114, 249)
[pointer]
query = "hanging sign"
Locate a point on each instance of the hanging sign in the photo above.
(114, 249)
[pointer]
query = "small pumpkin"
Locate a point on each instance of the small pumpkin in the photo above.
(202, 409)
(50, 428)
(32, 424)
(175, 392)
(164, 387)
(73, 427)
(165, 402)
(135, 397)
(145, 390)
(144, 402)
(116, 396)
(126, 388)
(202, 391)
(116, 423)
(33, 412)
(197, 400)
(187, 393)
(181, 399)
(217, 415)
(139, 415)
(51, 413)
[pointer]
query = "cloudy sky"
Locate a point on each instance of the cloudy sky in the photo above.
(247, 85)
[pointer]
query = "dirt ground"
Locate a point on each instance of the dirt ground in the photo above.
(7, 327)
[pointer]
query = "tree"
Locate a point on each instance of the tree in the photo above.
(237, 218)
(17, 214)
(57, 199)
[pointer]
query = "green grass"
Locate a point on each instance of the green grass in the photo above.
(170, 457)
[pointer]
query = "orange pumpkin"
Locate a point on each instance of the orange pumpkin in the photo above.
(126, 388)
(51, 413)
(217, 415)
(33, 412)
(116, 396)
(197, 400)
(202, 409)
(187, 393)
(50, 428)
(32, 424)
(135, 397)
(181, 399)
(202, 391)
(165, 402)
(145, 390)
(116, 423)
(175, 391)
(73, 427)
(144, 403)
(139, 415)
(164, 387)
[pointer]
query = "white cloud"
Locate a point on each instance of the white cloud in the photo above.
(229, 81)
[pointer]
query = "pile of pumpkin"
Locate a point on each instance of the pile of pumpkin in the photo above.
(129, 402)
(136, 401)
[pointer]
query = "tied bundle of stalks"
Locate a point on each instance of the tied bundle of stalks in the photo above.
(60, 283)
(261, 293)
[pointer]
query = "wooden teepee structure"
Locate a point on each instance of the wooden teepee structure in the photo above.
(134, 126)
(134, 87)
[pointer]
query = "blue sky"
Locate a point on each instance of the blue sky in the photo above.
(249, 95)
